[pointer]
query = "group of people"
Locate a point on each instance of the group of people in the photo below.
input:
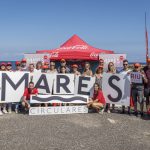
(139, 91)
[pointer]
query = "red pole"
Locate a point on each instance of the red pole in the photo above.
(146, 38)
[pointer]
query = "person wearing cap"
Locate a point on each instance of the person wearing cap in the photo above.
(147, 85)
(24, 65)
(126, 71)
(52, 69)
(87, 70)
(64, 64)
(9, 68)
(75, 70)
(99, 75)
(44, 69)
(18, 66)
(3, 66)
(46, 63)
(137, 89)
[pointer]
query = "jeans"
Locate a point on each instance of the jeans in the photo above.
(138, 96)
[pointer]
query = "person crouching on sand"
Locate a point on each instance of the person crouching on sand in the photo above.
(97, 102)
(31, 90)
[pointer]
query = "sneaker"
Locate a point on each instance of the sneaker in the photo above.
(1, 113)
(142, 114)
(108, 111)
(123, 112)
(16, 111)
(129, 113)
(136, 114)
(101, 111)
(5, 111)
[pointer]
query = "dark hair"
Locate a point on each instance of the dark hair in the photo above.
(61, 68)
(97, 85)
(125, 61)
(109, 65)
(88, 64)
(31, 82)
(96, 71)
(32, 64)
(39, 62)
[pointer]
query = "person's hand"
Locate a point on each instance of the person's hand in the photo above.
(128, 73)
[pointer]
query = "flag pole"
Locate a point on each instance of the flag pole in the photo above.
(146, 38)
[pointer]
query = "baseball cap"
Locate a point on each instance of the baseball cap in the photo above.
(63, 60)
(74, 66)
(24, 60)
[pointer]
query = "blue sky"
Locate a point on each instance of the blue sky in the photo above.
(30, 25)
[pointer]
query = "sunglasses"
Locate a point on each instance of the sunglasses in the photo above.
(136, 67)
(125, 64)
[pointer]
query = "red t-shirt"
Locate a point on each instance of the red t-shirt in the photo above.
(27, 93)
(99, 95)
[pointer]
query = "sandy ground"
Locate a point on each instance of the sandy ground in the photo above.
(74, 132)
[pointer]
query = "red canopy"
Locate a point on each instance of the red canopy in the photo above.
(76, 49)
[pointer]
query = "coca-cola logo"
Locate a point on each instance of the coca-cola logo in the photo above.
(54, 54)
(95, 55)
(74, 47)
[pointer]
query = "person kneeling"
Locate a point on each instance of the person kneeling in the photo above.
(31, 90)
(98, 101)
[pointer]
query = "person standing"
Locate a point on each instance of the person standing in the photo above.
(101, 62)
(52, 68)
(63, 63)
(125, 71)
(18, 68)
(32, 70)
(99, 75)
(75, 70)
(112, 70)
(9, 68)
(39, 66)
(137, 89)
(146, 70)
(24, 65)
(87, 70)
(63, 70)
(3, 68)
